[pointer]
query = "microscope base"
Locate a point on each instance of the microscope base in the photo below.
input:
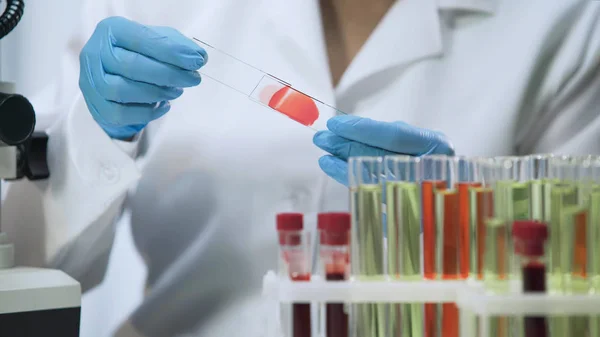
(38, 302)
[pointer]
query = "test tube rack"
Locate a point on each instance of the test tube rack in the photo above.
(470, 297)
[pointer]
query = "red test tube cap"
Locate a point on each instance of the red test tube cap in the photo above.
(335, 227)
(532, 235)
(289, 226)
(290, 221)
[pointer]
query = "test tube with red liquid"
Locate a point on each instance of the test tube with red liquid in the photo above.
(295, 264)
(335, 266)
(440, 218)
(529, 244)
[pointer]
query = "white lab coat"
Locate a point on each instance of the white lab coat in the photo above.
(498, 77)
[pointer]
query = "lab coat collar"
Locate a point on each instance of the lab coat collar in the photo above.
(411, 31)
(475, 6)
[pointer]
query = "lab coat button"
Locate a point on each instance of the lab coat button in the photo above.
(109, 173)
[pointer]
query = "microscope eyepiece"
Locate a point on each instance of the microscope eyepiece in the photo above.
(17, 119)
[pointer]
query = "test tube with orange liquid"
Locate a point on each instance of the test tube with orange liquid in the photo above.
(440, 219)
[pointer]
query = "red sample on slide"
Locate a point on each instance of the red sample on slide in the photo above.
(294, 104)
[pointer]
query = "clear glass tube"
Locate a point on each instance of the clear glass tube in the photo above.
(367, 239)
(439, 211)
(569, 220)
(481, 211)
(404, 239)
(568, 228)
(594, 227)
(594, 239)
(530, 242)
(335, 267)
(468, 182)
(536, 169)
(511, 202)
(295, 263)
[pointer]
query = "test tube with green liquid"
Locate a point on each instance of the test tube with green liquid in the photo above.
(536, 169)
(367, 240)
(511, 201)
(481, 212)
(569, 226)
(569, 220)
(593, 237)
(403, 202)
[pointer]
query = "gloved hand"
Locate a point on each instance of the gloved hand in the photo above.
(129, 72)
(352, 136)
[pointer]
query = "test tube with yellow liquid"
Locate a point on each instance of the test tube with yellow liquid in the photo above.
(367, 240)
(403, 200)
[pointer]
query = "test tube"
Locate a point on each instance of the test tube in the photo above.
(529, 243)
(481, 211)
(594, 227)
(404, 239)
(367, 257)
(468, 182)
(537, 173)
(439, 209)
(569, 221)
(335, 267)
(497, 231)
(295, 264)
(594, 239)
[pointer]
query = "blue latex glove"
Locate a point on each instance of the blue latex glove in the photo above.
(129, 72)
(352, 136)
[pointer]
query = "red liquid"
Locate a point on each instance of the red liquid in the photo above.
(534, 280)
(464, 219)
(295, 105)
(301, 323)
(335, 316)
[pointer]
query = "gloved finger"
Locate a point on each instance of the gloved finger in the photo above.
(344, 148)
(122, 90)
(119, 89)
(120, 114)
(131, 113)
(397, 137)
(137, 67)
(335, 168)
(165, 45)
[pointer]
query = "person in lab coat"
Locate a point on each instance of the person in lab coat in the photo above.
(201, 171)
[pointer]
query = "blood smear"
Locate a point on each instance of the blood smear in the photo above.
(291, 103)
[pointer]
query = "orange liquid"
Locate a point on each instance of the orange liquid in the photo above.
(450, 261)
(580, 263)
(464, 219)
(429, 232)
(295, 105)
(450, 253)
(450, 320)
